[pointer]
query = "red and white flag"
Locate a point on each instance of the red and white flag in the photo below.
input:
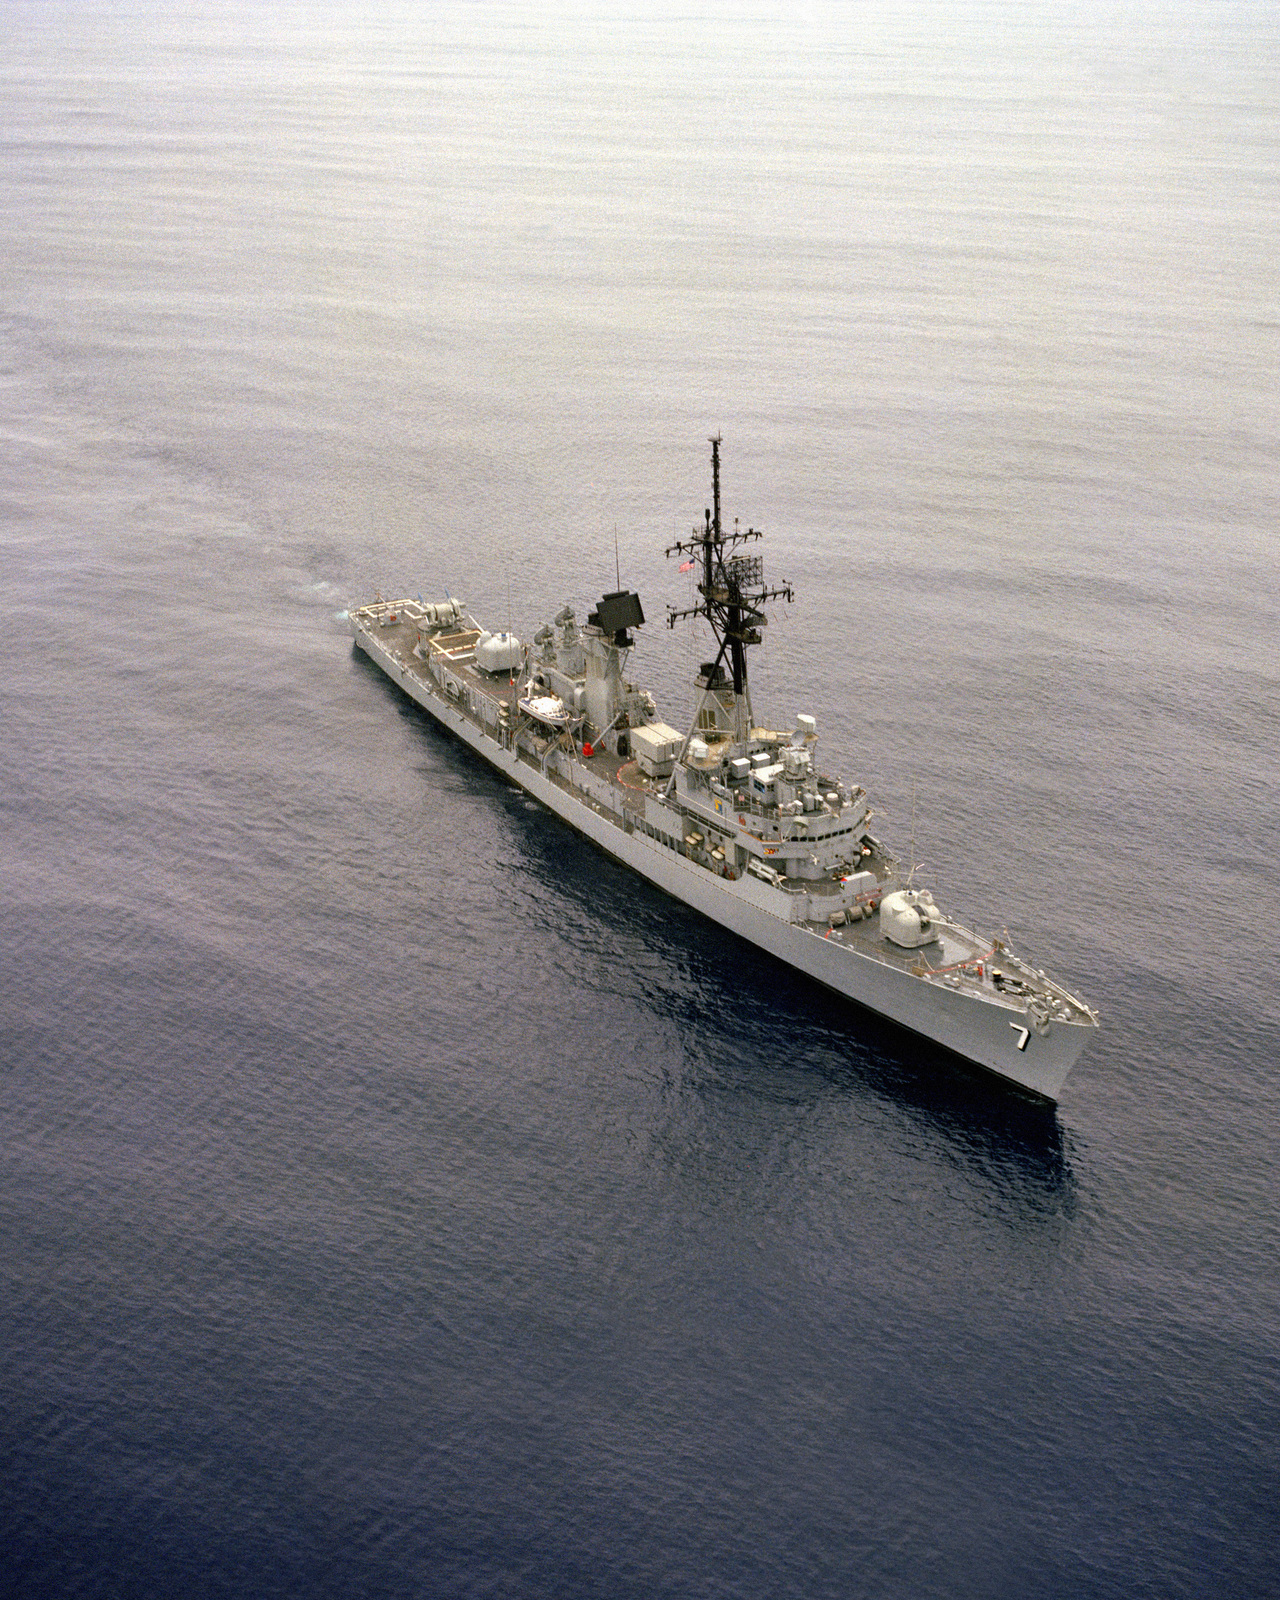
(686, 567)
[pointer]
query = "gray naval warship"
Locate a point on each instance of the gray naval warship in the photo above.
(739, 821)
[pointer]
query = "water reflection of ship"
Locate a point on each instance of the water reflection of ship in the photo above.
(736, 1026)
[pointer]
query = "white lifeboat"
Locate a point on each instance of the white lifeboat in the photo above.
(548, 709)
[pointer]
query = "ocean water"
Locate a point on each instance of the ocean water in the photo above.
(400, 1200)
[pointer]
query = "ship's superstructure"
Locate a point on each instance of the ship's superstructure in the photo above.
(737, 820)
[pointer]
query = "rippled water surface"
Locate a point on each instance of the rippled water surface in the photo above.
(399, 1199)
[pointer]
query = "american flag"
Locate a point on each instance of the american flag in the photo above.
(686, 567)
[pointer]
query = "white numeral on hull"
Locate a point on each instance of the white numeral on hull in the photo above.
(1023, 1035)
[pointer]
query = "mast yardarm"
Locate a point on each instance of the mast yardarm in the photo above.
(732, 586)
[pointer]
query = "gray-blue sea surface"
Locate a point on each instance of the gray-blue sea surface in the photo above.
(398, 1198)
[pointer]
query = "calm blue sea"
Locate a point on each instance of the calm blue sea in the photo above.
(396, 1198)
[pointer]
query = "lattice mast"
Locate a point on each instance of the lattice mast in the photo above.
(733, 590)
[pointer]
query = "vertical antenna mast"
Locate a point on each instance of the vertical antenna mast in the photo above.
(732, 590)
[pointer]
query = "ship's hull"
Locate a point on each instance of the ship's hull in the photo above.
(985, 1032)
